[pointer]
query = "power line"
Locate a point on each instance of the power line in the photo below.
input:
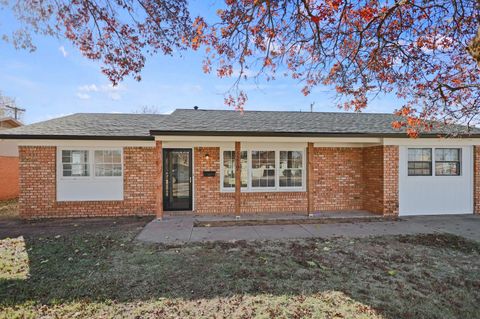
(16, 110)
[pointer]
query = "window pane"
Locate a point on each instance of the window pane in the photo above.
(419, 161)
(79, 170)
(117, 157)
(229, 169)
(447, 154)
(420, 154)
(263, 169)
(291, 168)
(75, 163)
(117, 170)
(108, 163)
(98, 157)
(244, 165)
(419, 168)
(447, 169)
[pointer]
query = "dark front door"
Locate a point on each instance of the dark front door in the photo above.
(177, 179)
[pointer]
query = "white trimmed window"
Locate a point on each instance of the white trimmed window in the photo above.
(91, 163)
(264, 170)
(445, 161)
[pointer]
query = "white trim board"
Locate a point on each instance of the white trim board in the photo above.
(86, 143)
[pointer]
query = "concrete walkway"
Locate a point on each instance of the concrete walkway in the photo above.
(178, 230)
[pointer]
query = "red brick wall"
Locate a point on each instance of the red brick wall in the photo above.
(390, 180)
(338, 178)
(476, 179)
(274, 202)
(38, 186)
(37, 181)
(344, 179)
(373, 179)
(208, 198)
(9, 185)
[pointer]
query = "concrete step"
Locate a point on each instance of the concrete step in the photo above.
(245, 220)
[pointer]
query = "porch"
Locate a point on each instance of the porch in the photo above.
(271, 182)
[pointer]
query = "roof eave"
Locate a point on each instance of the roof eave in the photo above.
(300, 134)
(74, 137)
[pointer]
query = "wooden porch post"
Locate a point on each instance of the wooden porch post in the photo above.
(310, 181)
(238, 178)
(159, 180)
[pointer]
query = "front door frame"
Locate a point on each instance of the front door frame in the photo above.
(165, 152)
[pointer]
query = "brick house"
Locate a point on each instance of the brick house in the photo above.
(227, 162)
(9, 172)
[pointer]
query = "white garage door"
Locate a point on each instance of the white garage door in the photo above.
(435, 180)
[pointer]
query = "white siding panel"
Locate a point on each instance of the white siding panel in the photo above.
(8, 148)
(89, 190)
(436, 195)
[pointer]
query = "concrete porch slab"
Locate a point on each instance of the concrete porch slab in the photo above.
(286, 219)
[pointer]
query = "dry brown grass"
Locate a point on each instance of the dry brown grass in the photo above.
(9, 209)
(84, 270)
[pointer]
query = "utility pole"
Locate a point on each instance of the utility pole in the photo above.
(16, 110)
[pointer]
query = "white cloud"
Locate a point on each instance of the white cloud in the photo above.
(112, 92)
(83, 96)
(88, 88)
(63, 50)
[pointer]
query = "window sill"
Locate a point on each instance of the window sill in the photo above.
(265, 190)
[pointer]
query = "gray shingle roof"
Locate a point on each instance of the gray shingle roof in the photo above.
(87, 125)
(226, 122)
(211, 122)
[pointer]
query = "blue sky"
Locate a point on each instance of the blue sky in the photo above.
(57, 80)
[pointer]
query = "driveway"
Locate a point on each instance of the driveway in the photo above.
(178, 230)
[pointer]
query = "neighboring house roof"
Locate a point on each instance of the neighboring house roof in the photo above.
(8, 123)
(216, 122)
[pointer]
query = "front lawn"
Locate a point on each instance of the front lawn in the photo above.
(80, 271)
